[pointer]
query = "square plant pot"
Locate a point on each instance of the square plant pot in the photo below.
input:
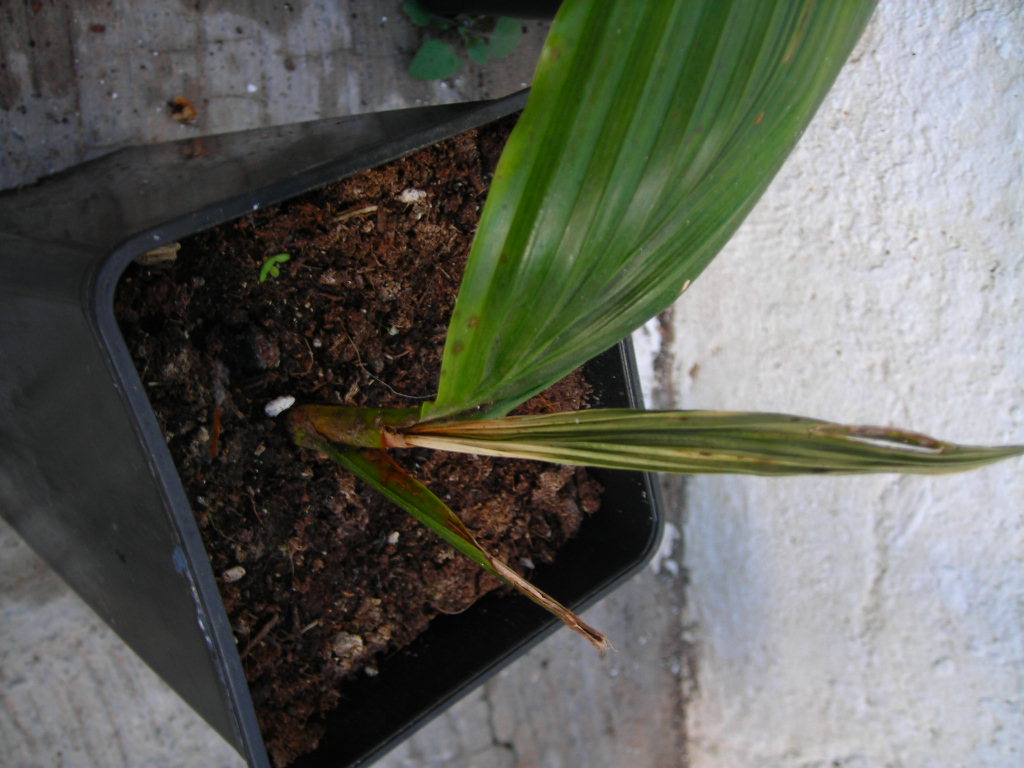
(87, 479)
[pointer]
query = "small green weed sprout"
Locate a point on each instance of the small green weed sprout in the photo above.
(484, 37)
(269, 267)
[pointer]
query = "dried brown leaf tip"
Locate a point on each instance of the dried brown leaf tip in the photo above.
(182, 110)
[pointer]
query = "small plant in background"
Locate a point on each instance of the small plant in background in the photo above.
(652, 128)
(483, 37)
(269, 267)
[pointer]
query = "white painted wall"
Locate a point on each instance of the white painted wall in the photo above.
(873, 621)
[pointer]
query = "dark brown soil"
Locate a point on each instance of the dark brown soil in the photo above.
(321, 578)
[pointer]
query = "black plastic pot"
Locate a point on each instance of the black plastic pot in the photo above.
(85, 476)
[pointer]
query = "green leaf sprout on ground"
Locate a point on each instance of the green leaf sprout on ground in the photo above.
(484, 38)
(269, 267)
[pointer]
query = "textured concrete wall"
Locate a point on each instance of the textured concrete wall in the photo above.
(873, 621)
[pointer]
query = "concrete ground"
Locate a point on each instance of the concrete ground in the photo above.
(848, 622)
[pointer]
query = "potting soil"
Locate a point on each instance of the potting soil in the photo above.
(322, 578)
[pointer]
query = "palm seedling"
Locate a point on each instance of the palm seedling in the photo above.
(651, 130)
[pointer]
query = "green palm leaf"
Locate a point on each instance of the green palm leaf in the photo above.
(652, 128)
(709, 442)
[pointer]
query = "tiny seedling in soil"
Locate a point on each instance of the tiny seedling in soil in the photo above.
(269, 267)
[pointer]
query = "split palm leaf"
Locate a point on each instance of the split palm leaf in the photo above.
(377, 468)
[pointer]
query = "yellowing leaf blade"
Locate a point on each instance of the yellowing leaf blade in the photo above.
(707, 442)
